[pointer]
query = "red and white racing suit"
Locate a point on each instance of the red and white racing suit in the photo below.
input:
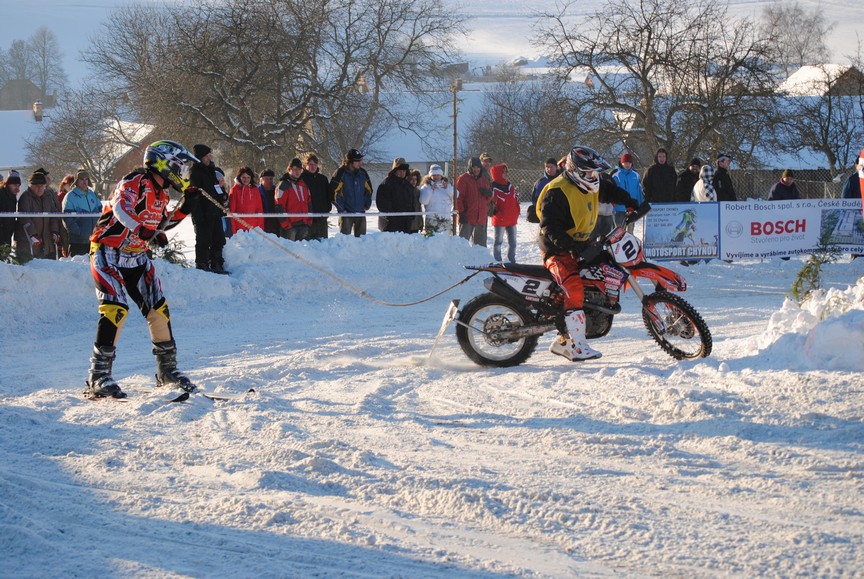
(119, 260)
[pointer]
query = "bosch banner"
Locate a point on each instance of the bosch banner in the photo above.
(753, 229)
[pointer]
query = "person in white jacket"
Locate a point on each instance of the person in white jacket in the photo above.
(436, 196)
(703, 191)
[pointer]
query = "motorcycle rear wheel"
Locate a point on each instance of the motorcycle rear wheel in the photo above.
(676, 326)
(488, 313)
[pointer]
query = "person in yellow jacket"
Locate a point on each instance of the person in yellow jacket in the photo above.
(567, 207)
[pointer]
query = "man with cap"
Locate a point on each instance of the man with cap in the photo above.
(627, 179)
(785, 188)
(687, 179)
(37, 237)
(396, 195)
(722, 181)
(473, 196)
(207, 214)
(267, 188)
(81, 199)
(352, 193)
(658, 181)
(319, 189)
(8, 204)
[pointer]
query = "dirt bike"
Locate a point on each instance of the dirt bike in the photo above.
(501, 328)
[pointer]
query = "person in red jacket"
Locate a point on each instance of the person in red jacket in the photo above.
(505, 213)
(244, 197)
(473, 196)
(134, 221)
(293, 196)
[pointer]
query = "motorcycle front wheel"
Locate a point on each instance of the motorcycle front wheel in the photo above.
(676, 326)
(479, 319)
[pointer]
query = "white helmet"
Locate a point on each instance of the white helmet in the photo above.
(583, 168)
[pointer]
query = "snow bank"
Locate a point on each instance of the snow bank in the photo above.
(826, 332)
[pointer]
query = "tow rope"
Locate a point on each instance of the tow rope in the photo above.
(341, 281)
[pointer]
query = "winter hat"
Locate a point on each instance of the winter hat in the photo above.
(38, 178)
(723, 156)
(474, 162)
(497, 172)
(696, 161)
(201, 151)
(14, 178)
(399, 163)
(436, 170)
(295, 162)
(82, 174)
(485, 157)
(268, 173)
(706, 173)
(353, 155)
(626, 158)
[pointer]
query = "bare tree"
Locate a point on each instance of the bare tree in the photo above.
(678, 75)
(818, 117)
(524, 121)
(5, 68)
(48, 74)
(797, 36)
(21, 63)
(264, 77)
(82, 131)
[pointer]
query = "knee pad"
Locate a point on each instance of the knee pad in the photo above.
(159, 322)
(111, 320)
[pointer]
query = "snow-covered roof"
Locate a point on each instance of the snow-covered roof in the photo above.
(16, 127)
(132, 132)
(812, 80)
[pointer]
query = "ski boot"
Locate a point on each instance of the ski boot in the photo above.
(166, 367)
(100, 384)
(574, 348)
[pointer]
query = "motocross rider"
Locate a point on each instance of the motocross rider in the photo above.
(130, 224)
(567, 207)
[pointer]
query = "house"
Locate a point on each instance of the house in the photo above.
(125, 152)
(824, 79)
(18, 95)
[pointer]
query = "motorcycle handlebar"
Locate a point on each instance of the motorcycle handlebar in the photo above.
(637, 214)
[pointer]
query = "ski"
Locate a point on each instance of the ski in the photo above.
(168, 395)
(222, 397)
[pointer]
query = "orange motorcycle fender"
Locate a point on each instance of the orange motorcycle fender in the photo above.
(667, 278)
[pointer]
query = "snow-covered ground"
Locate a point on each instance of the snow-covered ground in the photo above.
(359, 454)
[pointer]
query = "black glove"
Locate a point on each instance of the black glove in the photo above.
(159, 240)
(192, 192)
(146, 234)
(589, 251)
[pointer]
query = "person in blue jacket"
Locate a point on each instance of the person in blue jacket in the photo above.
(352, 193)
(627, 179)
(81, 199)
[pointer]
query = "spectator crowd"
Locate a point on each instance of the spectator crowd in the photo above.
(302, 197)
